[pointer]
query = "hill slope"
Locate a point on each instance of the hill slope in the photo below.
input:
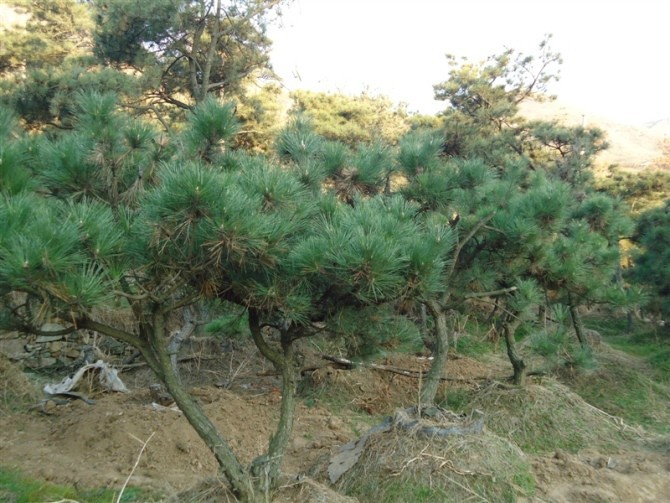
(632, 148)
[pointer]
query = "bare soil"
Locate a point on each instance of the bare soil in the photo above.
(97, 445)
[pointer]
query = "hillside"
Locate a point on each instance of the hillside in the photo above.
(632, 148)
(544, 442)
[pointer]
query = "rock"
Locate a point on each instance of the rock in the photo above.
(593, 336)
(56, 346)
(49, 406)
(73, 353)
(51, 327)
(42, 339)
(160, 395)
(335, 423)
(183, 447)
(47, 361)
(299, 444)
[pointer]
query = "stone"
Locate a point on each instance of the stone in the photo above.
(72, 353)
(42, 339)
(56, 346)
(47, 361)
(335, 423)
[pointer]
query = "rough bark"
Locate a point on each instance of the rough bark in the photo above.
(239, 479)
(266, 468)
(440, 355)
(178, 339)
(577, 323)
(510, 324)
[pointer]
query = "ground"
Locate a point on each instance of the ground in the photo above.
(98, 445)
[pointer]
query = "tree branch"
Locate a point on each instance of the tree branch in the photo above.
(119, 335)
(493, 293)
(262, 345)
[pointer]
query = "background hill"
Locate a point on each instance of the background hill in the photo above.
(632, 148)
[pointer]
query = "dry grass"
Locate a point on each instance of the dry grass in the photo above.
(399, 467)
(16, 390)
(304, 490)
(542, 418)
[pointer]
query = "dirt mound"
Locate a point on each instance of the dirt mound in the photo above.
(594, 477)
(545, 416)
(393, 384)
(96, 445)
(400, 465)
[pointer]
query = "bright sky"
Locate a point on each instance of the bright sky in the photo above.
(615, 52)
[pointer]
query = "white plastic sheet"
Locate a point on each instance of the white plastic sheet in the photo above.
(107, 376)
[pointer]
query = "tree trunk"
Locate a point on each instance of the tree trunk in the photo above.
(440, 355)
(577, 323)
(178, 339)
(510, 324)
(238, 478)
(426, 337)
(266, 468)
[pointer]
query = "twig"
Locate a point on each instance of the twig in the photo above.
(409, 462)
(349, 364)
(180, 360)
(467, 489)
(615, 419)
(137, 462)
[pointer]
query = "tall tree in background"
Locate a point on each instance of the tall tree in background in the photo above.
(186, 49)
(484, 99)
(159, 57)
(352, 119)
(652, 262)
(514, 193)
(43, 34)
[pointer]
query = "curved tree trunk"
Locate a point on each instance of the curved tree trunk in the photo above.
(440, 355)
(577, 323)
(239, 479)
(266, 468)
(510, 324)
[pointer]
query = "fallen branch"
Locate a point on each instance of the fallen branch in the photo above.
(349, 364)
(180, 360)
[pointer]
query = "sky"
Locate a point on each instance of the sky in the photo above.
(616, 61)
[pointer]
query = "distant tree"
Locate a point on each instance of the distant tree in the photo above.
(642, 191)
(52, 31)
(47, 58)
(484, 99)
(567, 153)
(352, 119)
(160, 58)
(185, 49)
(263, 110)
(651, 264)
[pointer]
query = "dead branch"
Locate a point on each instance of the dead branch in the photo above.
(350, 365)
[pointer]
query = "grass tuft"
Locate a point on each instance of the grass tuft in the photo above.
(18, 488)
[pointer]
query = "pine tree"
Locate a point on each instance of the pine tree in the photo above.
(153, 238)
(652, 236)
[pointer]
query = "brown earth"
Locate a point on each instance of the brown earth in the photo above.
(97, 445)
